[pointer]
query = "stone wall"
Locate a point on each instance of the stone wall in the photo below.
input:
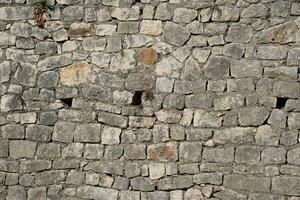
(150, 100)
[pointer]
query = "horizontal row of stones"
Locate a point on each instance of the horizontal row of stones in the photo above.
(162, 11)
(257, 185)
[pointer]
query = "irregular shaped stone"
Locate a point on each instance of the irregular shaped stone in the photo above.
(163, 12)
(184, 15)
(211, 29)
(55, 62)
(217, 67)
(175, 34)
(29, 166)
(273, 155)
(22, 149)
(48, 151)
(16, 192)
(171, 116)
(267, 135)
(87, 133)
(46, 48)
(207, 119)
(108, 167)
(253, 116)
(112, 119)
(21, 29)
(73, 13)
(63, 132)
(176, 182)
(76, 74)
(255, 10)
(141, 122)
(50, 177)
(37, 193)
(147, 56)
(225, 14)
(123, 61)
(293, 121)
(239, 33)
(142, 184)
(248, 155)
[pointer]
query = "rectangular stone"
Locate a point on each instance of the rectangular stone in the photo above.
(219, 154)
(286, 185)
(91, 192)
(249, 183)
(238, 135)
(112, 119)
(208, 178)
(76, 115)
(272, 52)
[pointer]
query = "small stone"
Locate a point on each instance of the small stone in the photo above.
(201, 55)
(127, 14)
(211, 29)
(63, 132)
(151, 27)
(111, 135)
(147, 56)
(142, 184)
(164, 85)
(49, 151)
(87, 133)
(293, 156)
(73, 150)
(168, 67)
(221, 155)
(21, 29)
(234, 50)
(247, 155)
(123, 61)
(60, 35)
(217, 67)
(128, 27)
(48, 79)
(293, 121)
(162, 152)
(252, 183)
(39, 133)
(207, 119)
(163, 12)
(255, 10)
(16, 192)
(278, 118)
(156, 170)
(15, 13)
(175, 34)
(190, 152)
(46, 48)
(286, 185)
(5, 71)
(239, 33)
(73, 13)
(55, 62)
(246, 68)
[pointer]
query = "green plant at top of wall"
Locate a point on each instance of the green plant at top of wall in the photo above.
(40, 8)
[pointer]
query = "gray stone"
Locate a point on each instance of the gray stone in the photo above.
(225, 14)
(252, 183)
(73, 13)
(208, 178)
(272, 52)
(255, 10)
(286, 185)
(175, 34)
(37, 193)
(175, 182)
(237, 135)
(39, 33)
(142, 184)
(189, 87)
(190, 151)
(243, 85)
(278, 118)
(234, 50)
(129, 195)
(247, 155)
(46, 48)
(7, 39)
(184, 15)
(239, 33)
(76, 115)
(253, 116)
(228, 102)
(55, 62)
(87, 133)
(29, 166)
(59, 36)
(158, 195)
(4, 148)
(273, 155)
(174, 101)
(13, 131)
(93, 151)
(63, 132)
(246, 68)
(217, 67)
(73, 150)
(5, 71)
(151, 27)
(50, 177)
(128, 14)
(293, 120)
(197, 41)
(163, 12)
(39, 133)
(48, 151)
(203, 118)
(22, 149)
(10, 102)
(113, 152)
(135, 152)
(223, 155)
(16, 192)
(48, 118)
(267, 135)
(288, 89)
(128, 27)
(211, 29)
(114, 44)
(293, 156)
(199, 101)
(26, 74)
(15, 13)
(21, 29)
(168, 67)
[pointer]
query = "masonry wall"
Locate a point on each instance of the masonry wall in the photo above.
(150, 100)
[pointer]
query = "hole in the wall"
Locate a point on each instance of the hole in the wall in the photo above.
(137, 98)
(281, 102)
(67, 101)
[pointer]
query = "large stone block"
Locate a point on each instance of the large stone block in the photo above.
(221, 155)
(175, 34)
(286, 185)
(76, 74)
(190, 151)
(87, 133)
(253, 116)
(249, 183)
(21, 149)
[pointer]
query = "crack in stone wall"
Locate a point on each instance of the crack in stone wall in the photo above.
(150, 100)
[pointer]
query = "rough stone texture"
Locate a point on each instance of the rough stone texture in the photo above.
(150, 100)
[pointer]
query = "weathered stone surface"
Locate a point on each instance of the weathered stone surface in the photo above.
(63, 132)
(55, 62)
(126, 13)
(76, 74)
(15, 13)
(271, 52)
(206, 119)
(253, 116)
(177, 182)
(255, 10)
(239, 33)
(184, 15)
(22, 149)
(50, 177)
(286, 185)
(39, 133)
(273, 155)
(286, 89)
(208, 178)
(169, 67)
(224, 155)
(217, 67)
(81, 30)
(175, 34)
(293, 121)
(92, 192)
(246, 68)
(112, 119)
(234, 135)
(266, 135)
(87, 133)
(10, 102)
(162, 152)
(142, 184)
(190, 152)
(13, 131)
(251, 183)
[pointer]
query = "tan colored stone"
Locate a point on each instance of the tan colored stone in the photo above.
(151, 27)
(76, 74)
(147, 56)
(81, 30)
